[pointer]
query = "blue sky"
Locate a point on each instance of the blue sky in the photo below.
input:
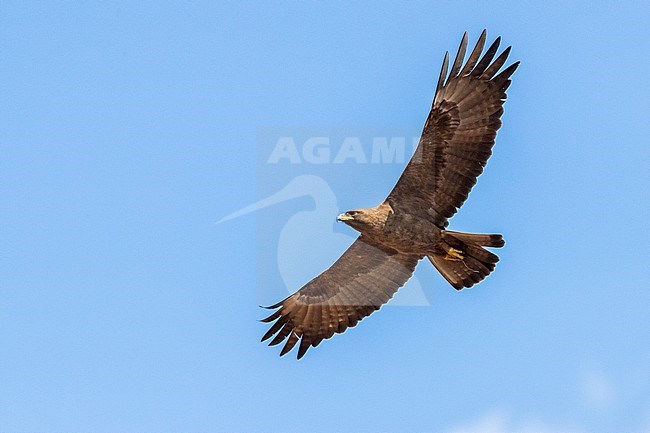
(127, 129)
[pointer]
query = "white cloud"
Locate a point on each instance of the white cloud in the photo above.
(647, 424)
(494, 422)
(499, 422)
(597, 390)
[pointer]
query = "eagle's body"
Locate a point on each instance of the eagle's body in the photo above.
(411, 223)
(401, 231)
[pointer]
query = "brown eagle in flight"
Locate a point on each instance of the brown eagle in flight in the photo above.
(411, 223)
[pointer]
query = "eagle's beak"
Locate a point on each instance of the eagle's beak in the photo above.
(343, 217)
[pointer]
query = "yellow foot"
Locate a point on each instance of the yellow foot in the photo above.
(454, 255)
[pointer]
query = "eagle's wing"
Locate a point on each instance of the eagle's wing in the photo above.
(364, 278)
(458, 135)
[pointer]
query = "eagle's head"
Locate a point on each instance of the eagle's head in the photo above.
(363, 220)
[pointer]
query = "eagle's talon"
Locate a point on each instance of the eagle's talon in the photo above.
(454, 255)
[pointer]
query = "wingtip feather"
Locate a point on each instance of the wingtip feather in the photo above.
(291, 341)
(476, 53)
(272, 330)
(305, 343)
(443, 72)
(460, 56)
(271, 318)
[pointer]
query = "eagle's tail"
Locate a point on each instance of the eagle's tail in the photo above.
(466, 262)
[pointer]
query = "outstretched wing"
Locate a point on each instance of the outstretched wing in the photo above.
(458, 135)
(364, 278)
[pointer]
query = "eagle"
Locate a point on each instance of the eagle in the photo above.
(411, 223)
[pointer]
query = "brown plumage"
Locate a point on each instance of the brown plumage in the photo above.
(410, 224)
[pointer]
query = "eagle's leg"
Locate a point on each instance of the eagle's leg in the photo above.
(454, 255)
